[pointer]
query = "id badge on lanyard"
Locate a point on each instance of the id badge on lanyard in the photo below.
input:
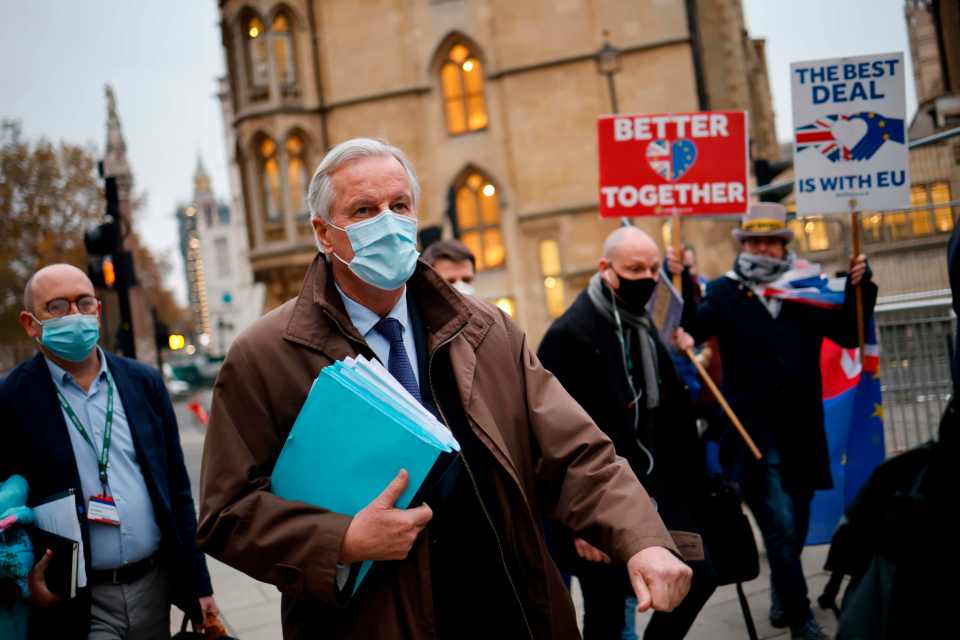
(101, 508)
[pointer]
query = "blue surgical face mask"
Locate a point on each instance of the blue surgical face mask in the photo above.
(384, 249)
(70, 337)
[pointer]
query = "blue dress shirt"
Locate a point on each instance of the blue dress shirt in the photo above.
(364, 319)
(138, 535)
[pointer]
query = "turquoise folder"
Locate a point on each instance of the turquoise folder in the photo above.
(357, 428)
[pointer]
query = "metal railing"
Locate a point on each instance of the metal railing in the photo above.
(916, 335)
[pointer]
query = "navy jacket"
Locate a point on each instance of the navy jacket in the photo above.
(771, 372)
(582, 350)
(36, 444)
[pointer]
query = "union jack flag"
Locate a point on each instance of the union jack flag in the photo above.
(671, 159)
(819, 135)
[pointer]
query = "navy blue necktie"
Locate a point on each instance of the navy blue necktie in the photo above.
(398, 364)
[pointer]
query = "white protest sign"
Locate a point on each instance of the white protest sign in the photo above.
(849, 119)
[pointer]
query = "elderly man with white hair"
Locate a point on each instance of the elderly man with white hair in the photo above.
(472, 564)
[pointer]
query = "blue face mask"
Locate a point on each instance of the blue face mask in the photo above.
(384, 249)
(70, 337)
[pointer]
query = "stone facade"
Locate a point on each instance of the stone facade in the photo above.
(376, 68)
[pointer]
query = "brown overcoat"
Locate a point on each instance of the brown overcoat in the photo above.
(558, 462)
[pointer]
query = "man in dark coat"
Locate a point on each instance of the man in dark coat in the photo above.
(609, 357)
(63, 430)
(770, 349)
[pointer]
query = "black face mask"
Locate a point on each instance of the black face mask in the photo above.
(634, 294)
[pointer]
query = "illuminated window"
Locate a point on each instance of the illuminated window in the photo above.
(920, 220)
(872, 227)
(478, 216)
(507, 305)
(896, 225)
(818, 239)
(271, 198)
(666, 233)
(811, 234)
(283, 60)
(297, 178)
(461, 79)
(943, 216)
(552, 280)
(257, 57)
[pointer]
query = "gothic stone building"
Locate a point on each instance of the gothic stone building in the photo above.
(496, 104)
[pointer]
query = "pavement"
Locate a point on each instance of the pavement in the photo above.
(251, 609)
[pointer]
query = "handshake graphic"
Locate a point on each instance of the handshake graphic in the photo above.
(856, 136)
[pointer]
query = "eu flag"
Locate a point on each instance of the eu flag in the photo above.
(853, 418)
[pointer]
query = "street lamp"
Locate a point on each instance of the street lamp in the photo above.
(609, 62)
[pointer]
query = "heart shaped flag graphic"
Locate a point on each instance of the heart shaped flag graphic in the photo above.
(671, 158)
(849, 131)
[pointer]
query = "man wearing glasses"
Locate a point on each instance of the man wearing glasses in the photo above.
(78, 419)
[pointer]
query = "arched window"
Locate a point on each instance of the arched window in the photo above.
(478, 216)
(297, 178)
(283, 58)
(270, 194)
(257, 57)
(461, 79)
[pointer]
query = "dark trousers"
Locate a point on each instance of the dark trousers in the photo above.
(605, 588)
(784, 519)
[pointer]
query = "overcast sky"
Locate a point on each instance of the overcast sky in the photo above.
(813, 29)
(163, 58)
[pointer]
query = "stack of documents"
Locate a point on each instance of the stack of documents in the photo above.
(356, 430)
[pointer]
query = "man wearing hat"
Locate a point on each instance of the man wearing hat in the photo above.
(770, 350)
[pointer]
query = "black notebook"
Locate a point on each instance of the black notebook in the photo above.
(62, 571)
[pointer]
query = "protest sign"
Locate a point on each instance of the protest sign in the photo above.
(673, 164)
(849, 117)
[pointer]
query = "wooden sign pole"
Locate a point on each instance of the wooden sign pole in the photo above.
(677, 247)
(723, 403)
(856, 231)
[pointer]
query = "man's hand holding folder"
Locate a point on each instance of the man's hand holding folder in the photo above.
(357, 427)
(382, 532)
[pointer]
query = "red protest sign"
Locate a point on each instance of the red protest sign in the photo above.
(673, 163)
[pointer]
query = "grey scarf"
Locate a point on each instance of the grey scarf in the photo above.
(756, 269)
(627, 323)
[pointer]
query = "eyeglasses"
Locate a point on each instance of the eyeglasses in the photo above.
(86, 304)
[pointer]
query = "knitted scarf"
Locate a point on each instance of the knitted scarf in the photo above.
(603, 302)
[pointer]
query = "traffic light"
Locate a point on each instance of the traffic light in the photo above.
(102, 239)
(110, 266)
(176, 342)
(101, 271)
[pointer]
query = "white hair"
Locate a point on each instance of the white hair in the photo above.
(320, 196)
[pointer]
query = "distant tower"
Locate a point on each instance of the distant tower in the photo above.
(190, 249)
(115, 165)
(224, 298)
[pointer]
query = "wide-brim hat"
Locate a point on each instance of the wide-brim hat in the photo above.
(764, 220)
